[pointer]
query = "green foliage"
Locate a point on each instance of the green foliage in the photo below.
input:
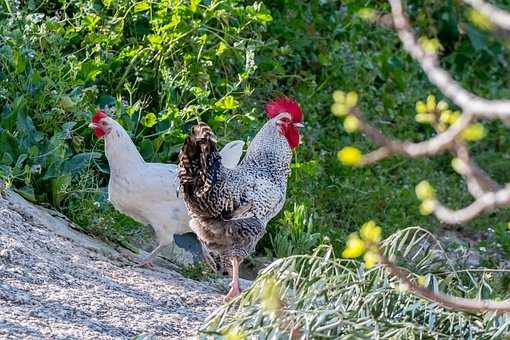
(294, 233)
(322, 297)
(162, 65)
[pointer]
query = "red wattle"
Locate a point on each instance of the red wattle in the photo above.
(292, 135)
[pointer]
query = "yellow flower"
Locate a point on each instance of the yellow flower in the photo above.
(355, 247)
(474, 132)
(234, 334)
(351, 124)
(427, 206)
(458, 165)
(367, 14)
(430, 46)
(454, 116)
(271, 299)
(442, 106)
(422, 281)
(339, 97)
(424, 118)
(431, 103)
(371, 258)
(339, 109)
(370, 232)
(480, 20)
(445, 116)
(351, 99)
(350, 156)
(421, 108)
(424, 191)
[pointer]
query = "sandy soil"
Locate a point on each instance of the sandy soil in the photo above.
(56, 282)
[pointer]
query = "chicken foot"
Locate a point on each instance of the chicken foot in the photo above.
(148, 260)
(235, 289)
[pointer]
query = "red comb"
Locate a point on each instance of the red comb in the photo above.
(98, 116)
(284, 104)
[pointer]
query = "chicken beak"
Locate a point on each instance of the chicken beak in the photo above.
(299, 125)
(92, 126)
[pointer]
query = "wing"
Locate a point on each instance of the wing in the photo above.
(231, 154)
(159, 180)
(258, 197)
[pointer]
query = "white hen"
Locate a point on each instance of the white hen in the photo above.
(147, 192)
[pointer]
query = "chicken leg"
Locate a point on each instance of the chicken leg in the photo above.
(235, 290)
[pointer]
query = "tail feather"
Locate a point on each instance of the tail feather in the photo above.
(199, 162)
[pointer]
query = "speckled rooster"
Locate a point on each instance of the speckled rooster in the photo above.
(230, 208)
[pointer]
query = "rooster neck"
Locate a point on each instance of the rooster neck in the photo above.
(269, 149)
(121, 152)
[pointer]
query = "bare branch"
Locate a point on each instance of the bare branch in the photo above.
(485, 202)
(468, 101)
(389, 146)
(496, 15)
(478, 181)
(446, 301)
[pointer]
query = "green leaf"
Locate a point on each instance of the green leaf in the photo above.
(105, 101)
(91, 21)
(193, 5)
(141, 6)
(150, 120)
(27, 193)
(5, 171)
(264, 17)
(227, 103)
(8, 144)
(19, 62)
(89, 71)
(155, 40)
(78, 162)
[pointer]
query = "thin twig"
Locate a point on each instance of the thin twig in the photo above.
(446, 301)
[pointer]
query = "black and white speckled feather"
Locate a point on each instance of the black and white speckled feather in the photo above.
(230, 208)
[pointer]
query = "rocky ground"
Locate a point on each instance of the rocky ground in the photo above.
(56, 282)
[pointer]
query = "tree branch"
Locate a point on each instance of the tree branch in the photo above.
(389, 146)
(446, 301)
(469, 102)
(485, 202)
(496, 15)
